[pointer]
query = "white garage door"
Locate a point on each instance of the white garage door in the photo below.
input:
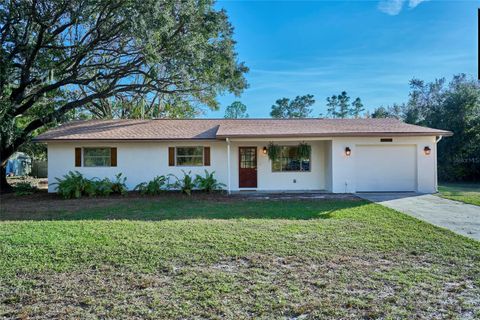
(386, 168)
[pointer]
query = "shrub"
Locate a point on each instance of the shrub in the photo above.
(75, 185)
(153, 187)
(119, 186)
(208, 183)
(24, 188)
(185, 184)
(97, 187)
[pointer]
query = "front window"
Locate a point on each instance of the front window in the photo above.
(189, 156)
(289, 160)
(97, 157)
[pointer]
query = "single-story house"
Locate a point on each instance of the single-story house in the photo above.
(346, 155)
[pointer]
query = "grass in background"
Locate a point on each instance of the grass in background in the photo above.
(464, 192)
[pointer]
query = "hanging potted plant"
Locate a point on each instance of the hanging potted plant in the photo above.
(304, 150)
(273, 151)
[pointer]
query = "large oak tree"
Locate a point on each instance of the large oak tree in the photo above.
(60, 55)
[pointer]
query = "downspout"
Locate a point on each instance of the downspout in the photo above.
(228, 166)
(436, 170)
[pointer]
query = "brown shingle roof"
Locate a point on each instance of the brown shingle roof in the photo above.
(170, 129)
(322, 127)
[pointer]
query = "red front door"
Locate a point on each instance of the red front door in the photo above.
(247, 167)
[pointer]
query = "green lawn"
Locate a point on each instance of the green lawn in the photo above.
(194, 258)
(464, 192)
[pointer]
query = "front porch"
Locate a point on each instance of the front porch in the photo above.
(249, 167)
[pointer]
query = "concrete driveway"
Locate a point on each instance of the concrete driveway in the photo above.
(459, 217)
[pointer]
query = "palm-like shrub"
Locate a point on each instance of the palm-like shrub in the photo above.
(73, 185)
(97, 187)
(185, 184)
(118, 185)
(208, 183)
(153, 187)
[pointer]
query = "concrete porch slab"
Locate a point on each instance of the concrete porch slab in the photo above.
(292, 195)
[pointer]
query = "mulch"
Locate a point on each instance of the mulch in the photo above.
(42, 201)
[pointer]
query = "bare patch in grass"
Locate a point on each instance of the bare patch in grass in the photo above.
(262, 286)
(164, 259)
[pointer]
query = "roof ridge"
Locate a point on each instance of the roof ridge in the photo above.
(242, 119)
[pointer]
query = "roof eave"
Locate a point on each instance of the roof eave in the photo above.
(346, 134)
(224, 136)
(118, 140)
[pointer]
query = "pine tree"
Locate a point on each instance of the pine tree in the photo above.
(236, 110)
(300, 107)
(357, 108)
(332, 105)
(343, 105)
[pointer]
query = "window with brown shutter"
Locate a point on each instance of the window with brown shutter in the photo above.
(113, 155)
(189, 156)
(78, 157)
(171, 156)
(206, 156)
(97, 157)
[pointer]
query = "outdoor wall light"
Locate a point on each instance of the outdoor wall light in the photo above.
(264, 150)
(427, 150)
(348, 152)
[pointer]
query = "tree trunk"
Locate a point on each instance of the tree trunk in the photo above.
(5, 153)
(4, 186)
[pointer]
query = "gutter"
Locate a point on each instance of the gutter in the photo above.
(337, 134)
(437, 140)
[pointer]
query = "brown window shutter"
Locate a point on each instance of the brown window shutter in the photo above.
(78, 157)
(206, 156)
(113, 157)
(171, 156)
